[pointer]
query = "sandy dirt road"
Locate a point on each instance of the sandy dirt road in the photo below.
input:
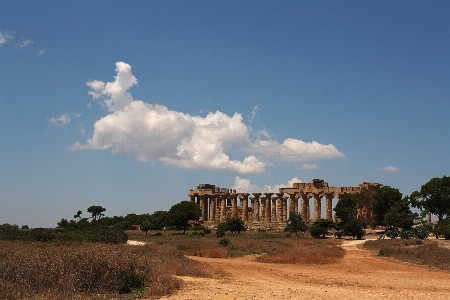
(359, 275)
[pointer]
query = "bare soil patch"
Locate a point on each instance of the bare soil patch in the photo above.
(359, 275)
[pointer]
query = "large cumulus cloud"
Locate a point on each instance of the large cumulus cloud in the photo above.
(152, 132)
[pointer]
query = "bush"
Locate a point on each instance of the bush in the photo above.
(393, 233)
(355, 228)
(221, 229)
(318, 231)
(129, 282)
(406, 234)
(224, 242)
(422, 231)
(339, 234)
(207, 231)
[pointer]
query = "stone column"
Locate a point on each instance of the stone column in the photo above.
(192, 198)
(212, 208)
(233, 205)
(284, 201)
(263, 208)
(329, 205)
(267, 218)
(291, 203)
(256, 207)
(223, 208)
(203, 199)
(280, 208)
(273, 215)
(296, 203)
(305, 207)
(317, 207)
(244, 199)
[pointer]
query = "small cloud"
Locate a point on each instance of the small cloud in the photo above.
(63, 120)
(308, 167)
(244, 186)
(5, 38)
(253, 113)
(89, 106)
(82, 130)
(42, 52)
(389, 169)
(24, 43)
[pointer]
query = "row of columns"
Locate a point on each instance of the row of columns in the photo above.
(265, 208)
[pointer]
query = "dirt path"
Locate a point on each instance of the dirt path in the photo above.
(360, 275)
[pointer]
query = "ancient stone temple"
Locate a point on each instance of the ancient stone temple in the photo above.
(218, 204)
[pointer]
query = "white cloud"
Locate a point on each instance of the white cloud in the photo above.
(115, 94)
(153, 132)
(63, 120)
(309, 167)
(253, 113)
(24, 43)
(244, 186)
(295, 150)
(5, 38)
(389, 169)
(42, 52)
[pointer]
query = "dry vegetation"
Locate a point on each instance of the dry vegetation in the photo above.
(279, 248)
(420, 252)
(62, 270)
(79, 271)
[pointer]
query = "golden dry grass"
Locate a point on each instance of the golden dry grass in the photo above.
(76, 271)
(420, 252)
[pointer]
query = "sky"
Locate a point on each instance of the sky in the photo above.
(129, 104)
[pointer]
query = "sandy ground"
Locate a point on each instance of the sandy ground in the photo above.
(359, 275)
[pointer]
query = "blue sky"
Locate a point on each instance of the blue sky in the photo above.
(129, 104)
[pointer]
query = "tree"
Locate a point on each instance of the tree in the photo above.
(235, 225)
(160, 219)
(355, 228)
(181, 213)
(319, 228)
(295, 223)
(347, 206)
(390, 209)
(78, 215)
(96, 211)
(433, 197)
(145, 226)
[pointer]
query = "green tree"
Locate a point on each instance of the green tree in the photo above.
(355, 228)
(160, 219)
(433, 197)
(390, 209)
(181, 213)
(235, 225)
(319, 228)
(78, 215)
(347, 206)
(145, 226)
(96, 211)
(295, 223)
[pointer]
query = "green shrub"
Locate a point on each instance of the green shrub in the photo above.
(318, 231)
(393, 233)
(224, 242)
(339, 234)
(129, 282)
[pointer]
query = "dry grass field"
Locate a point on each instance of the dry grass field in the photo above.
(63, 270)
